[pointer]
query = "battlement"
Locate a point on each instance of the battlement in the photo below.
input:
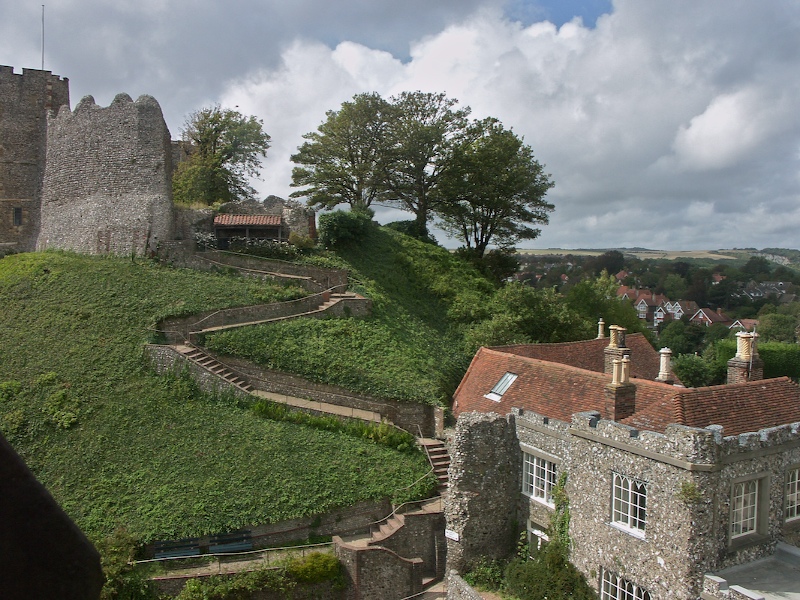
(698, 446)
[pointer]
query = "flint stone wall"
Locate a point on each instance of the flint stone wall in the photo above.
(378, 573)
(689, 473)
(485, 478)
(107, 184)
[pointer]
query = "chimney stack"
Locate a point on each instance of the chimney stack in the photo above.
(616, 349)
(664, 368)
(620, 394)
(746, 365)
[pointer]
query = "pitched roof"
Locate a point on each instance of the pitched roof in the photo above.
(559, 390)
(738, 408)
(588, 354)
(242, 220)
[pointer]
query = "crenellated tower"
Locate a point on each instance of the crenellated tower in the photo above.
(26, 102)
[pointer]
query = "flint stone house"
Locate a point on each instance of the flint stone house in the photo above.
(672, 489)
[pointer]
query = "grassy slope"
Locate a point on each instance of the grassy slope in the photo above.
(143, 450)
(407, 350)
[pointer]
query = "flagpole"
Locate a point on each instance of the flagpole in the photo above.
(42, 37)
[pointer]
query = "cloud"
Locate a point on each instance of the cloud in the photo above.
(671, 124)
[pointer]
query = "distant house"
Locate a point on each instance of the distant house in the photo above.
(744, 324)
(708, 317)
(679, 308)
(672, 490)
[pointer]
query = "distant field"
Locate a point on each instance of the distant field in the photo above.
(643, 254)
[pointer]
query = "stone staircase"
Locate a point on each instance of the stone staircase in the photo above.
(212, 365)
(439, 459)
(413, 531)
(320, 310)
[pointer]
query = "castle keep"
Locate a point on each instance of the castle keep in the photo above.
(26, 102)
(107, 181)
(97, 180)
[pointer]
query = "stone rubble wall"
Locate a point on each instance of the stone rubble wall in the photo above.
(421, 536)
(485, 480)
(107, 185)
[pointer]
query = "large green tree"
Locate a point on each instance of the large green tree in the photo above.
(344, 161)
(494, 188)
(225, 151)
(420, 130)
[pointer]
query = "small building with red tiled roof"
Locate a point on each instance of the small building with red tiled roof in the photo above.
(667, 484)
(265, 227)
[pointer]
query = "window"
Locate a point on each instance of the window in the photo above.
(17, 216)
(629, 507)
(538, 478)
(744, 508)
(536, 538)
(501, 387)
(793, 495)
(616, 588)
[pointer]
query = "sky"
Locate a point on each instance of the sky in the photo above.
(668, 125)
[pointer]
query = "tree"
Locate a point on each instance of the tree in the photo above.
(345, 160)
(226, 147)
(682, 338)
(421, 127)
(776, 327)
(494, 188)
(596, 298)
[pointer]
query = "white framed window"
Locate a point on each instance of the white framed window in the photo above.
(538, 478)
(501, 387)
(537, 537)
(629, 504)
(744, 508)
(615, 587)
(793, 494)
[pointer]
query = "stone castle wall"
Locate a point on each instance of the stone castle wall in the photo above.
(26, 100)
(107, 181)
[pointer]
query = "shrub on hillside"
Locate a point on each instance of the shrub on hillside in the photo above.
(340, 228)
(410, 228)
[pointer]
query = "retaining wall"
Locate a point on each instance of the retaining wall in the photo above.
(378, 573)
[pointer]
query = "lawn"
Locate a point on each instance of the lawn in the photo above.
(118, 445)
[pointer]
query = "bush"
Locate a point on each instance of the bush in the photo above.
(316, 568)
(550, 575)
(486, 574)
(693, 371)
(340, 228)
